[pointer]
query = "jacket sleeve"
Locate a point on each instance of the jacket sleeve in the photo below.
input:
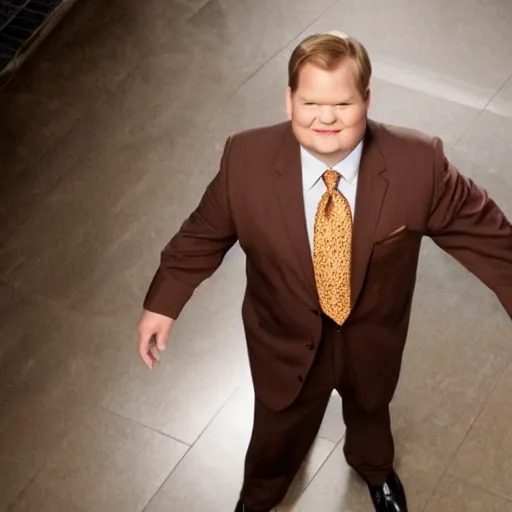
(197, 250)
(469, 226)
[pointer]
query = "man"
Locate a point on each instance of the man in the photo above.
(330, 210)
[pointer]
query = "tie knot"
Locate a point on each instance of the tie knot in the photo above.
(331, 179)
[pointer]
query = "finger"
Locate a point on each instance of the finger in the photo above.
(148, 360)
(145, 353)
(161, 340)
(153, 350)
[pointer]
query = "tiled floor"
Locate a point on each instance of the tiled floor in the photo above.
(108, 137)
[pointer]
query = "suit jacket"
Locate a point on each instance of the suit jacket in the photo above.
(406, 189)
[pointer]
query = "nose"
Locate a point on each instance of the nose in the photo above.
(327, 115)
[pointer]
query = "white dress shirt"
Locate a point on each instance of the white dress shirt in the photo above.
(313, 185)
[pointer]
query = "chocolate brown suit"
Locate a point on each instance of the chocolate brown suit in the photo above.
(406, 190)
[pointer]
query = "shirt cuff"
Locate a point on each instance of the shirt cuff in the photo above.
(166, 295)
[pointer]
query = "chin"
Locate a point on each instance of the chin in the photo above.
(333, 154)
(327, 149)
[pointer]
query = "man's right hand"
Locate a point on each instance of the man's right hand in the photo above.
(153, 332)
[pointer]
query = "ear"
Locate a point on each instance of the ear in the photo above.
(289, 102)
(368, 97)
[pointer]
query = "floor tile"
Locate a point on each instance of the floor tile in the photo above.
(170, 11)
(502, 103)
(457, 495)
(493, 178)
(197, 56)
(238, 45)
(53, 89)
(97, 45)
(317, 456)
(336, 487)
(402, 106)
(484, 457)
(487, 141)
(36, 499)
(200, 482)
(59, 359)
(211, 473)
(22, 190)
(332, 427)
(30, 431)
(14, 302)
(107, 464)
(87, 56)
(14, 478)
(268, 85)
(30, 353)
(29, 128)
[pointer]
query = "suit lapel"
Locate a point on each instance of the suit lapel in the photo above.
(288, 169)
(371, 191)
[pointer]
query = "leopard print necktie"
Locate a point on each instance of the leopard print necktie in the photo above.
(332, 243)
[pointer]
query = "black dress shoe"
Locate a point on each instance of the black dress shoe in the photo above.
(240, 507)
(389, 497)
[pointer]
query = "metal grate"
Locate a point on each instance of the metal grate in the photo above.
(19, 21)
(9, 10)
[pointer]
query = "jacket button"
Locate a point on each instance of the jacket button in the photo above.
(300, 378)
(316, 312)
(310, 346)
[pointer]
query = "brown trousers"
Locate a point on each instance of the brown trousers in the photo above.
(281, 440)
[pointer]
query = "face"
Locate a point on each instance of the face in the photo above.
(327, 111)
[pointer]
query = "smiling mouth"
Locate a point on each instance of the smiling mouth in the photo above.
(327, 132)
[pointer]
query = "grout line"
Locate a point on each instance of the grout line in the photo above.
(216, 414)
(497, 92)
(164, 481)
(188, 451)
(31, 294)
(470, 428)
(25, 488)
(330, 440)
(482, 488)
(275, 54)
(147, 427)
(461, 136)
(202, 8)
(482, 111)
(334, 448)
(4, 279)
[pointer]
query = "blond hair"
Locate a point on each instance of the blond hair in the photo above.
(327, 51)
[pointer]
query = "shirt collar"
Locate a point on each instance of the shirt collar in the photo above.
(313, 169)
